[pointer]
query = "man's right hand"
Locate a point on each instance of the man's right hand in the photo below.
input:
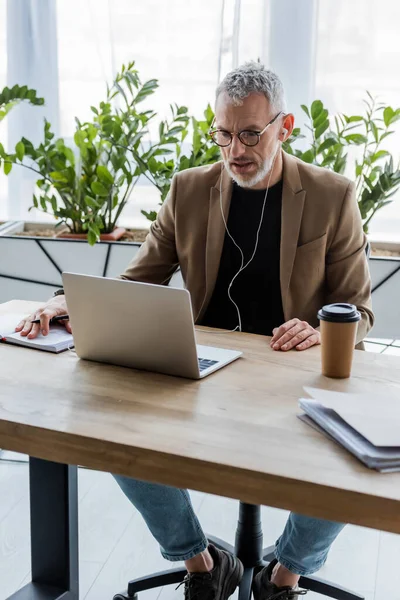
(55, 307)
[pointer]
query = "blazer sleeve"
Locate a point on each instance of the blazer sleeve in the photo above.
(347, 272)
(157, 259)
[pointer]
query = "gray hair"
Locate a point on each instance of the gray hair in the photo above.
(253, 77)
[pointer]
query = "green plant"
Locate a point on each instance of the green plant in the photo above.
(376, 177)
(202, 152)
(11, 97)
(88, 186)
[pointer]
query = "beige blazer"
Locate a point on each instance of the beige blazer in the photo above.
(322, 259)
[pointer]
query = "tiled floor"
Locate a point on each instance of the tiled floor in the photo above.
(380, 345)
(115, 545)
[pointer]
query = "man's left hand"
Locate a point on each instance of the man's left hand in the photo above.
(295, 334)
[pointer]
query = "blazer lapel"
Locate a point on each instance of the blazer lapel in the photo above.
(293, 197)
(220, 193)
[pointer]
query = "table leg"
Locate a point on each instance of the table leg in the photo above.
(54, 532)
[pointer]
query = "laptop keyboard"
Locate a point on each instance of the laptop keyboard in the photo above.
(204, 363)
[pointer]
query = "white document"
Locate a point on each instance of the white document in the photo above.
(385, 462)
(375, 416)
(335, 427)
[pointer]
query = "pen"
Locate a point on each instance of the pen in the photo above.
(54, 319)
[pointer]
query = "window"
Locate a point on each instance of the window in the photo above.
(188, 46)
(358, 50)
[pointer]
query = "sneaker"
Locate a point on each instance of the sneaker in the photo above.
(218, 584)
(264, 589)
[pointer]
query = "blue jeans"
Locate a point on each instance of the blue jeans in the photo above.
(168, 512)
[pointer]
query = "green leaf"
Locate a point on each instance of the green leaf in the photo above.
(321, 129)
(80, 138)
(209, 115)
(388, 114)
(91, 202)
(375, 131)
(327, 143)
(355, 138)
(368, 183)
(305, 109)
(99, 189)
(175, 130)
(69, 155)
(58, 176)
(355, 119)
(7, 167)
(104, 175)
(92, 236)
(308, 156)
(151, 216)
(386, 134)
(379, 154)
(322, 117)
(162, 151)
(384, 182)
(20, 150)
(316, 108)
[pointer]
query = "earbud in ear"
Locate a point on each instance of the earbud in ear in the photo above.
(284, 131)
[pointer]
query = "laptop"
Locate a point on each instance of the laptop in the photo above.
(138, 325)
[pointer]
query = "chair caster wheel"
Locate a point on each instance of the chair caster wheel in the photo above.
(123, 596)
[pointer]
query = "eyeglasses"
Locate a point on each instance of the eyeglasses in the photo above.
(249, 138)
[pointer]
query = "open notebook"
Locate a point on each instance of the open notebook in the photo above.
(57, 340)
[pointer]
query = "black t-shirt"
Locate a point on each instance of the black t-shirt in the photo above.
(256, 290)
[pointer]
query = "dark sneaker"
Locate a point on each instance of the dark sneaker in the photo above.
(264, 589)
(218, 584)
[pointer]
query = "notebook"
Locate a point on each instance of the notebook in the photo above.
(56, 341)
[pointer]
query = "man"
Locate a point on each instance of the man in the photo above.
(263, 240)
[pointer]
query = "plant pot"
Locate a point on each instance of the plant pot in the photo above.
(385, 248)
(115, 235)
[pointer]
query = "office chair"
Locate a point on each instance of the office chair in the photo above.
(249, 548)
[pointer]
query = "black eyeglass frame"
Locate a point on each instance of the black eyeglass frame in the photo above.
(212, 132)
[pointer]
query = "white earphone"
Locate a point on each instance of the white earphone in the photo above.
(242, 265)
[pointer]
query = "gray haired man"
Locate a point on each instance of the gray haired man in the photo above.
(288, 240)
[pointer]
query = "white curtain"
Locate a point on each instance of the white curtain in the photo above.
(32, 61)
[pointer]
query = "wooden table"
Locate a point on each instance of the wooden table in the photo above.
(235, 434)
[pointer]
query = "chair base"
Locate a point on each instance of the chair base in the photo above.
(248, 547)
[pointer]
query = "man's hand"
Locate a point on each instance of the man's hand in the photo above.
(295, 334)
(53, 308)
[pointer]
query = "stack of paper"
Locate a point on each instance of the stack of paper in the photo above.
(365, 424)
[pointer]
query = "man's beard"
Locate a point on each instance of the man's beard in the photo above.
(261, 173)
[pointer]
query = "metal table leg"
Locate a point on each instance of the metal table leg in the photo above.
(54, 532)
